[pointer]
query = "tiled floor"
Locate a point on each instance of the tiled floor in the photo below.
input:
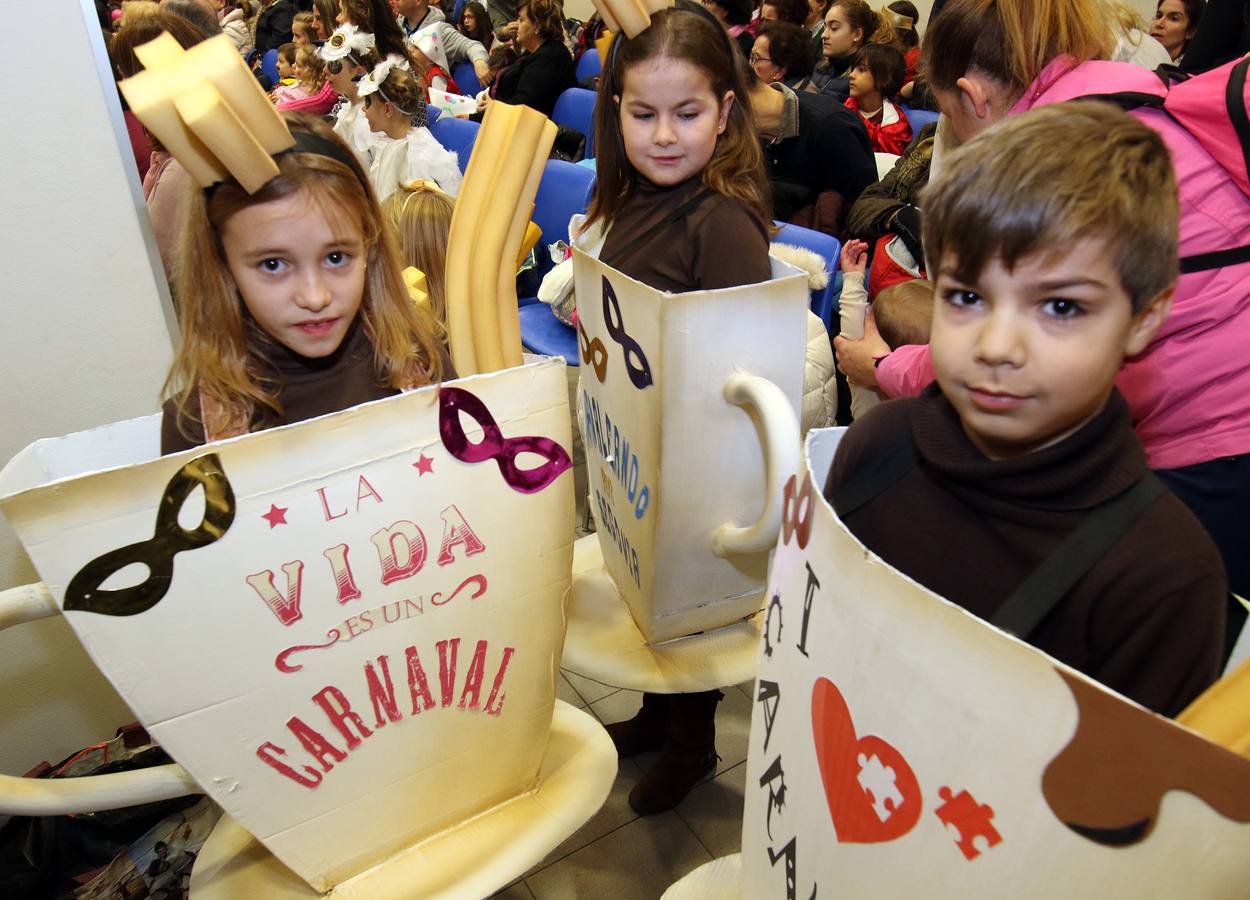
(619, 855)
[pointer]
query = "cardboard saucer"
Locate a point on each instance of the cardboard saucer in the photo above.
(474, 859)
(603, 642)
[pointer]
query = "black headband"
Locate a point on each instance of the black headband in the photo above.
(307, 142)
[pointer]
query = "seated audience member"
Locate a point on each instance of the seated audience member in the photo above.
(782, 52)
(316, 95)
(324, 13)
(347, 61)
(286, 69)
(166, 183)
(892, 205)
(273, 27)
(1055, 261)
(814, 147)
(500, 58)
(902, 17)
(793, 11)
(876, 76)
(1175, 24)
(474, 24)
(417, 14)
(303, 30)
(429, 60)
(735, 17)
(849, 25)
(404, 150)
(815, 24)
(375, 17)
(545, 69)
(419, 215)
(233, 20)
(202, 15)
(1223, 34)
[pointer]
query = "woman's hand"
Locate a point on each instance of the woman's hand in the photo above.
(857, 359)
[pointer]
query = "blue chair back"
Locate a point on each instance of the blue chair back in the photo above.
(575, 108)
(565, 189)
(269, 67)
(466, 79)
(455, 14)
(457, 135)
(919, 118)
(589, 65)
(828, 248)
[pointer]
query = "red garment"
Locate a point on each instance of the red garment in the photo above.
(912, 58)
(434, 71)
(892, 134)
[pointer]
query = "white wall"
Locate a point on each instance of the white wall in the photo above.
(86, 337)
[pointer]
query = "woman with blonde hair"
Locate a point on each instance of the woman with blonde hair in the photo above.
(419, 215)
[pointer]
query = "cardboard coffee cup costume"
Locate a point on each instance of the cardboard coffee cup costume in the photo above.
(348, 630)
(901, 747)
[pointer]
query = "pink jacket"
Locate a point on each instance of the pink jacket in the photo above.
(1190, 390)
(318, 104)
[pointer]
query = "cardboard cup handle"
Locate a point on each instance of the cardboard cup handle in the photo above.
(90, 793)
(779, 439)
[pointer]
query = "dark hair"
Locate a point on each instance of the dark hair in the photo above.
(1193, 12)
(885, 64)
(548, 17)
(794, 11)
(197, 15)
(692, 35)
(149, 28)
(1011, 41)
(737, 12)
(1015, 191)
(907, 37)
(790, 48)
(375, 17)
(481, 24)
(286, 52)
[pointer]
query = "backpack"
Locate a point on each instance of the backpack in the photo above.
(1212, 107)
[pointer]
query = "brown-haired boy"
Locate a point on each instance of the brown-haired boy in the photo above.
(1015, 486)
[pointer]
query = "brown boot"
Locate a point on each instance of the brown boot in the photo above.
(645, 731)
(688, 755)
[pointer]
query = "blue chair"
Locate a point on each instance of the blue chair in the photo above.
(575, 108)
(589, 65)
(565, 189)
(919, 118)
(269, 67)
(466, 79)
(828, 248)
(455, 14)
(455, 134)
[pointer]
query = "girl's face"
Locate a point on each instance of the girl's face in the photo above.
(1172, 28)
(343, 80)
(299, 271)
(323, 34)
(670, 119)
(299, 36)
(862, 82)
(469, 21)
(377, 113)
(762, 63)
(343, 18)
(839, 38)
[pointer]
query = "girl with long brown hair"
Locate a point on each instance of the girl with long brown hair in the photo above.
(683, 199)
(291, 300)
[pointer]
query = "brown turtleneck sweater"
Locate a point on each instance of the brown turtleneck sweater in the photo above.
(306, 388)
(1147, 620)
(720, 244)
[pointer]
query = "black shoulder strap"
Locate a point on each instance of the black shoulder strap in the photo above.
(629, 251)
(871, 480)
(1051, 581)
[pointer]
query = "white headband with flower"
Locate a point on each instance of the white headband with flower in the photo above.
(347, 39)
(372, 82)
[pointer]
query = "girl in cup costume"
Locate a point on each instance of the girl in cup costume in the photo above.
(682, 196)
(291, 300)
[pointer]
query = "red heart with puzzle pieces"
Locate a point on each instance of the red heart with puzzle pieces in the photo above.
(872, 792)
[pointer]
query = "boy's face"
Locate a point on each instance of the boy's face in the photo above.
(285, 69)
(1028, 356)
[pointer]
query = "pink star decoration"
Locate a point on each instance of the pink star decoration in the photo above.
(275, 517)
(424, 465)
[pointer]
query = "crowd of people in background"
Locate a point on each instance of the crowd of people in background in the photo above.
(719, 121)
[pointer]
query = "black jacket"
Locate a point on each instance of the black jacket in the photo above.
(538, 79)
